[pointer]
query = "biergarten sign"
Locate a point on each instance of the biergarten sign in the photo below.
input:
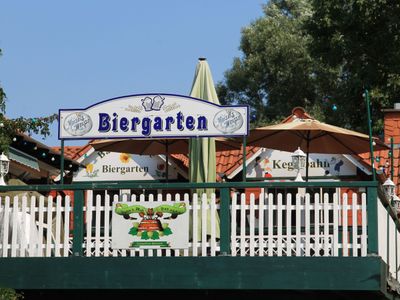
(112, 166)
(153, 116)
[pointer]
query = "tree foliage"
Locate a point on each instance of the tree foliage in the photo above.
(319, 55)
(360, 38)
(9, 127)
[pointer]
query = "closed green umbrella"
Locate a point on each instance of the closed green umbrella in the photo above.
(202, 165)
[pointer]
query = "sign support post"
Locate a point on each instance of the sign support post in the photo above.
(244, 159)
(62, 163)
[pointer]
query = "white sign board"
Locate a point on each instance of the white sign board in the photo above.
(150, 225)
(274, 163)
(153, 116)
(112, 166)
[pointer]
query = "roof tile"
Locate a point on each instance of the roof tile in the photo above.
(227, 161)
(74, 152)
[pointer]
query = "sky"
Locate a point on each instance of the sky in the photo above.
(72, 54)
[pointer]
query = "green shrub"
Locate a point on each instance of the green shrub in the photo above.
(9, 294)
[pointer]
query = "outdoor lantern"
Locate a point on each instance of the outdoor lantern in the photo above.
(388, 186)
(4, 164)
(299, 162)
(396, 204)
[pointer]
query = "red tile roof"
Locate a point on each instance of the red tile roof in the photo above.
(184, 159)
(392, 126)
(74, 152)
(227, 161)
(297, 112)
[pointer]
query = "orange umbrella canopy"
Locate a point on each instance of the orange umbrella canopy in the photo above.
(150, 146)
(312, 136)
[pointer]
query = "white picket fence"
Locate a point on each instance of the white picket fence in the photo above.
(278, 225)
(297, 227)
(388, 241)
(35, 228)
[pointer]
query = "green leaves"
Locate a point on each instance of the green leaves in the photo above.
(10, 294)
(275, 73)
(9, 127)
(357, 38)
(133, 231)
(302, 51)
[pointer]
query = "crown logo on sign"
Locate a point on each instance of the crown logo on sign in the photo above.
(153, 104)
(147, 103)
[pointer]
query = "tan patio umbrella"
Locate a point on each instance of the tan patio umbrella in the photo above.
(312, 136)
(202, 156)
(149, 146)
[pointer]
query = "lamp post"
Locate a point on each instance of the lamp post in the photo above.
(299, 162)
(388, 187)
(396, 204)
(395, 200)
(4, 166)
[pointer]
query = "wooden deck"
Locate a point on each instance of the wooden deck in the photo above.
(284, 239)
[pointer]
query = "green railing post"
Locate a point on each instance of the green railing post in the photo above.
(391, 158)
(225, 222)
(77, 249)
(372, 219)
(366, 94)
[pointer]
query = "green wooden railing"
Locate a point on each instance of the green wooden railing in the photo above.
(367, 273)
(224, 189)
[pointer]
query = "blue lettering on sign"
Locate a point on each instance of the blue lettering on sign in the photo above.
(179, 118)
(158, 124)
(104, 122)
(190, 123)
(147, 125)
(123, 124)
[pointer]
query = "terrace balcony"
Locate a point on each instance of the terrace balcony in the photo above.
(301, 238)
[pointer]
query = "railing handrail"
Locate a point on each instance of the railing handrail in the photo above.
(186, 185)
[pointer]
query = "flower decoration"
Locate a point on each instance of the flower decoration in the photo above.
(124, 158)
